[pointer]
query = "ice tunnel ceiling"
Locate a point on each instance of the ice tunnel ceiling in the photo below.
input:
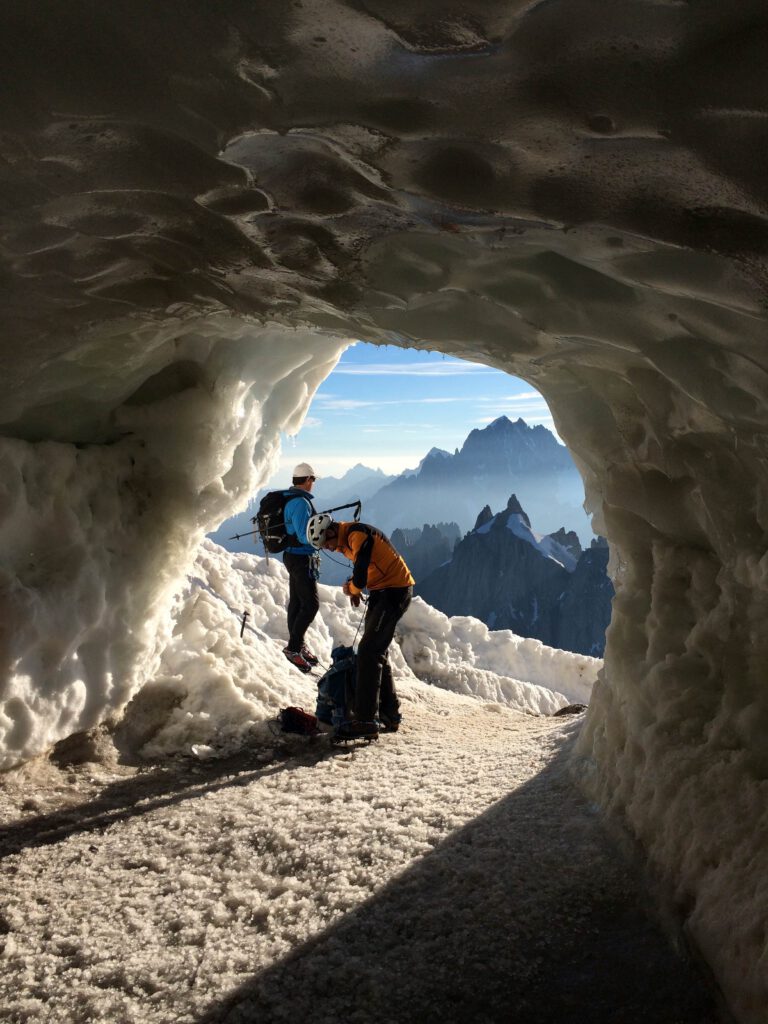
(558, 182)
(571, 190)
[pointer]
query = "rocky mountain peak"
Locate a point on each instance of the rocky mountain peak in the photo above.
(484, 517)
(505, 446)
(538, 585)
(569, 540)
(515, 508)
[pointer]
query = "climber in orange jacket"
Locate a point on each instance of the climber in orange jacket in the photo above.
(378, 567)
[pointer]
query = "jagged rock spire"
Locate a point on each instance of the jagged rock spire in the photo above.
(569, 540)
(514, 506)
(485, 517)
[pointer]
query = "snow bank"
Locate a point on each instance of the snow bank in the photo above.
(95, 538)
(215, 691)
(460, 653)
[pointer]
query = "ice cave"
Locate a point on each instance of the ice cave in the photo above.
(204, 203)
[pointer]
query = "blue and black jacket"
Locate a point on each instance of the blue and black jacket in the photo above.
(298, 511)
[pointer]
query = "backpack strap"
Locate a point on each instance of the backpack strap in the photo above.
(363, 560)
(291, 494)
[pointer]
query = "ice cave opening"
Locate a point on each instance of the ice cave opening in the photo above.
(459, 465)
(98, 534)
(571, 194)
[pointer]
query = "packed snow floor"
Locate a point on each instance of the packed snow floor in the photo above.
(450, 873)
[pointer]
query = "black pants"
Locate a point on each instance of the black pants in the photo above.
(303, 601)
(374, 686)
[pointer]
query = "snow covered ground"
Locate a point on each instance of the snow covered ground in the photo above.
(450, 872)
(215, 691)
(447, 873)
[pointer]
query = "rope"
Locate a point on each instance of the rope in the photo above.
(344, 565)
(242, 617)
(365, 602)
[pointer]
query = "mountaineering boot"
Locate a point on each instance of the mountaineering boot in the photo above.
(296, 659)
(356, 731)
(390, 723)
(308, 656)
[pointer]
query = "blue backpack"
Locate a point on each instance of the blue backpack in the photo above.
(336, 688)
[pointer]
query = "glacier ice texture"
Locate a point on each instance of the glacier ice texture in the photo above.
(200, 211)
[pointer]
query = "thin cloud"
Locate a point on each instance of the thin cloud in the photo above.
(330, 403)
(448, 368)
(520, 396)
(345, 404)
(440, 401)
(511, 408)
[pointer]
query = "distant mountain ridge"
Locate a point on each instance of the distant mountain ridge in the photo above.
(538, 585)
(513, 447)
(425, 549)
(359, 482)
(447, 487)
(494, 460)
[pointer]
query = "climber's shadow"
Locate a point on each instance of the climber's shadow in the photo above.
(162, 785)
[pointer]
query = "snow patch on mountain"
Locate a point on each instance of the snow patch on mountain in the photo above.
(543, 543)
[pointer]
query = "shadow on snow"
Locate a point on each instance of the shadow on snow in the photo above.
(140, 794)
(528, 914)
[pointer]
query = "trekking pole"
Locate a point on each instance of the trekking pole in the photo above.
(356, 505)
(242, 625)
(238, 536)
(365, 602)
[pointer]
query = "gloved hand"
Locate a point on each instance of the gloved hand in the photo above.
(345, 589)
(354, 600)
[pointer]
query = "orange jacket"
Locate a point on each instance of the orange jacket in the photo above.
(376, 563)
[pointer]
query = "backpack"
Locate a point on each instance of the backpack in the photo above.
(336, 687)
(270, 521)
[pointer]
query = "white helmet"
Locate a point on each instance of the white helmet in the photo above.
(317, 527)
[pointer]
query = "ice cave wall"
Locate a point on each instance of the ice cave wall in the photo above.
(201, 203)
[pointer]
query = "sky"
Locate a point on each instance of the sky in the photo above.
(386, 407)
